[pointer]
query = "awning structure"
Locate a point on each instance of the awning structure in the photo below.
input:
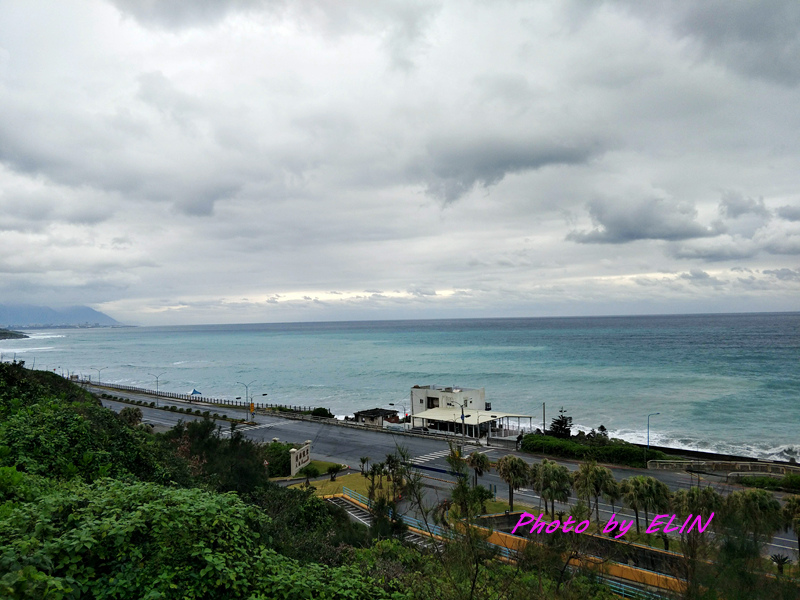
(475, 416)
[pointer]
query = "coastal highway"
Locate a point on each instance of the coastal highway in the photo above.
(346, 445)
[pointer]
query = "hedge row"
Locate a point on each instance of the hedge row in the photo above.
(171, 408)
(789, 483)
(617, 453)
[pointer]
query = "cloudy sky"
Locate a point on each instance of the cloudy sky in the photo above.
(264, 160)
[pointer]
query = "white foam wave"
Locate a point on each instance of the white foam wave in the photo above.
(667, 440)
(44, 336)
(24, 350)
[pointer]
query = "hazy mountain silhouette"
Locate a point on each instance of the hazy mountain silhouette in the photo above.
(28, 315)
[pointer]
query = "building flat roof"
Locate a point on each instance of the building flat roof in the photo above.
(443, 388)
(375, 412)
(475, 417)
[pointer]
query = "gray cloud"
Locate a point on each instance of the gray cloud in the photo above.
(790, 213)
(701, 278)
(455, 166)
(620, 222)
(756, 39)
(174, 14)
(734, 204)
(714, 250)
(783, 243)
(784, 274)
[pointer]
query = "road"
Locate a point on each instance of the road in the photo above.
(346, 445)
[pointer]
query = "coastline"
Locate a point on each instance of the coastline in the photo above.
(8, 334)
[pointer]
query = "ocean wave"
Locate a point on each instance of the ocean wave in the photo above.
(683, 442)
(44, 336)
(25, 350)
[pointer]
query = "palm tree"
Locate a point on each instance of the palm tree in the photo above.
(514, 471)
(612, 493)
(780, 561)
(364, 465)
(657, 497)
(555, 483)
(791, 516)
(590, 481)
(631, 489)
(478, 462)
(697, 501)
(756, 512)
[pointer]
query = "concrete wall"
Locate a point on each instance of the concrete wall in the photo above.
(723, 466)
(472, 399)
(300, 457)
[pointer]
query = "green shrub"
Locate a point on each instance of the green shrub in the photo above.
(322, 412)
(138, 540)
(198, 413)
(616, 452)
(173, 408)
(789, 483)
(279, 459)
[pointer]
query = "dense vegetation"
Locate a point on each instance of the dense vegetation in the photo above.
(788, 483)
(617, 452)
(93, 505)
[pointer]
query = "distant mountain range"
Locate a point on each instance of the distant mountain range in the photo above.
(21, 316)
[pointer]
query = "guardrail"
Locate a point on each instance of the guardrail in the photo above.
(628, 591)
(201, 398)
(723, 466)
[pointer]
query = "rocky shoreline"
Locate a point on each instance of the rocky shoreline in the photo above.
(7, 334)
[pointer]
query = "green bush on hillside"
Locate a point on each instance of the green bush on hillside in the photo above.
(141, 540)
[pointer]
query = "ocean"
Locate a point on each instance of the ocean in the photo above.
(722, 383)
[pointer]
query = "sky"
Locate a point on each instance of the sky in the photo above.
(232, 161)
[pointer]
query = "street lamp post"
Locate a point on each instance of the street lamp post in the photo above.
(648, 437)
(98, 373)
(156, 376)
(463, 424)
(248, 398)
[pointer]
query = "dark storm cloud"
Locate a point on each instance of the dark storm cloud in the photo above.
(734, 204)
(623, 221)
(455, 166)
(790, 213)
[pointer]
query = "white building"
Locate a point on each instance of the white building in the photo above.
(459, 410)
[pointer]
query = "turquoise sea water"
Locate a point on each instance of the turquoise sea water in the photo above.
(729, 383)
